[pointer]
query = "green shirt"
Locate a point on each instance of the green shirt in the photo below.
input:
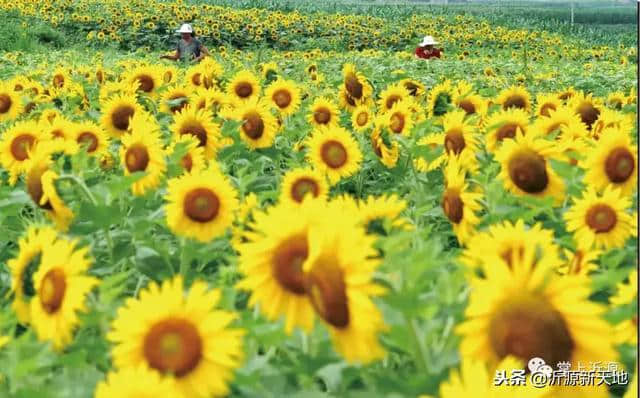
(188, 51)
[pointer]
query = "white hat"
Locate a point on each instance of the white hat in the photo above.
(427, 41)
(185, 28)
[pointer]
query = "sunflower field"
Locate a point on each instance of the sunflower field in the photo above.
(311, 211)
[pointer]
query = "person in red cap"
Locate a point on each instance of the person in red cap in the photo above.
(426, 50)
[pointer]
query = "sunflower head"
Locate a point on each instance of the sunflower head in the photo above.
(514, 97)
(284, 96)
(243, 86)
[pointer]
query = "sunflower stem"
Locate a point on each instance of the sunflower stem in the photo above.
(183, 258)
(420, 349)
(82, 186)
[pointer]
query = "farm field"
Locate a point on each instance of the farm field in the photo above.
(311, 211)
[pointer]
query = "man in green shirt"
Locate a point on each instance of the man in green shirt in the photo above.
(188, 48)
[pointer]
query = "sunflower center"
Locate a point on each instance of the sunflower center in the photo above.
(244, 90)
(322, 115)
(195, 129)
(21, 145)
(201, 205)
(58, 81)
(302, 187)
(34, 188)
(253, 125)
(196, 79)
(282, 98)
(333, 154)
(173, 346)
(454, 142)
(287, 263)
(506, 131)
(52, 289)
(467, 106)
(146, 83)
(120, 117)
(353, 86)
(412, 88)
(515, 101)
(57, 133)
(167, 77)
(546, 108)
(136, 159)
(396, 123)
(392, 99)
(362, 118)
(588, 113)
(528, 172)
(100, 76)
(601, 218)
(453, 206)
(187, 162)
(529, 327)
(619, 165)
(182, 104)
(89, 139)
(5, 103)
(328, 293)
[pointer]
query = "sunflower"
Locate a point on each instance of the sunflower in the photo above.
(391, 95)
(361, 118)
(179, 336)
(271, 262)
(522, 308)
(298, 184)
(141, 151)
(117, 113)
(616, 100)
(284, 96)
(458, 204)
(323, 113)
(610, 119)
(525, 168)
(16, 145)
(385, 148)
(61, 286)
(413, 87)
(580, 262)
(440, 97)
(268, 70)
(472, 104)
(587, 107)
(355, 84)
(193, 160)
(546, 103)
(457, 140)
(175, 99)
(60, 79)
(170, 74)
(515, 97)
(507, 241)
(200, 205)
(475, 380)
(146, 79)
(561, 121)
(335, 152)
(24, 264)
(10, 103)
(338, 279)
(600, 220)
(40, 182)
(91, 137)
(135, 382)
(60, 129)
(198, 123)
(243, 86)
(398, 119)
(613, 162)
(378, 208)
(259, 127)
(504, 125)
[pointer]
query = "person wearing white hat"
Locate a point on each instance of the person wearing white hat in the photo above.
(188, 48)
(425, 49)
